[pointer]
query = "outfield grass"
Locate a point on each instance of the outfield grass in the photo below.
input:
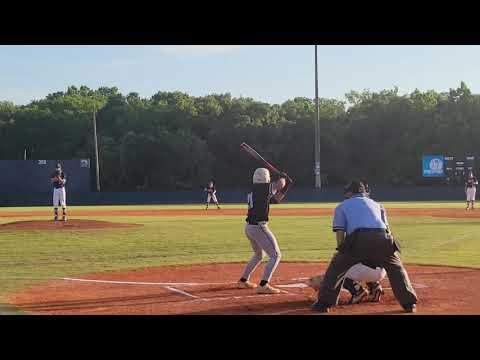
(27, 257)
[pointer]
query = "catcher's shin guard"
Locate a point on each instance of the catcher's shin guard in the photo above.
(356, 290)
(375, 290)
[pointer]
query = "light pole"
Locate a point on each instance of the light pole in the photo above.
(318, 180)
(97, 167)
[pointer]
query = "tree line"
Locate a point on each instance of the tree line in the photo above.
(174, 141)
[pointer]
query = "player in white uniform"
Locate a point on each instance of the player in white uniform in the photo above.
(470, 190)
(59, 196)
(354, 278)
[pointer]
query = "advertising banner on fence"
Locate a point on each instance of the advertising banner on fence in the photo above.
(433, 166)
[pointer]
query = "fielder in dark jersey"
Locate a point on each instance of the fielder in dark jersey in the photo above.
(211, 194)
(261, 238)
(470, 190)
(59, 180)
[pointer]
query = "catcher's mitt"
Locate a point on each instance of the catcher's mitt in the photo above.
(315, 282)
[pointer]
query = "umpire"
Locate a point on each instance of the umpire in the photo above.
(368, 240)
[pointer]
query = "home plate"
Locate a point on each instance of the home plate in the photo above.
(296, 285)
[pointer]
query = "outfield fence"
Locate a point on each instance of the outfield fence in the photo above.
(434, 193)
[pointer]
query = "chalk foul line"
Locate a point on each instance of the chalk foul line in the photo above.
(147, 283)
(182, 292)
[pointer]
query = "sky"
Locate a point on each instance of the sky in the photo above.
(267, 73)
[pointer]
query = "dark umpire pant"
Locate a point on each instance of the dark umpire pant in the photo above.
(376, 248)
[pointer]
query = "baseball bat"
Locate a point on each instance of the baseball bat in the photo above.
(251, 151)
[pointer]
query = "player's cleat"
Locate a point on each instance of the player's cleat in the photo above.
(411, 308)
(361, 295)
(376, 292)
(322, 308)
(246, 285)
(267, 289)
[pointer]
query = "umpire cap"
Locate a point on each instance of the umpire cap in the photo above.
(356, 187)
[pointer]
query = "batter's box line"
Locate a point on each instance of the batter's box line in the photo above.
(169, 286)
(147, 283)
(225, 298)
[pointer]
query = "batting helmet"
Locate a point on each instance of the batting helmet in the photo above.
(261, 176)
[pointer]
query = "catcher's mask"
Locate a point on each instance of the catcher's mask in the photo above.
(366, 186)
(355, 187)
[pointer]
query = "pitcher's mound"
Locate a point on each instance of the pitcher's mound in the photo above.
(73, 224)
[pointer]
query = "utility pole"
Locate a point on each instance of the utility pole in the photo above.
(95, 141)
(318, 180)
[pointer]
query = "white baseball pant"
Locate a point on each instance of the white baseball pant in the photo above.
(212, 197)
(360, 273)
(471, 193)
(59, 198)
(262, 240)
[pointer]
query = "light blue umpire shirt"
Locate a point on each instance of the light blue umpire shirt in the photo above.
(359, 212)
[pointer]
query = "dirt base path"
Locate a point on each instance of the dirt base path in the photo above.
(210, 289)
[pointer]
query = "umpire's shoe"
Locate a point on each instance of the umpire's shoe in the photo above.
(320, 307)
(410, 308)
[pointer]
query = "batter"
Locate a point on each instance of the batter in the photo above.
(261, 238)
(470, 190)
(59, 196)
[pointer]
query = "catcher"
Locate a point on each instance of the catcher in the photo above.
(355, 276)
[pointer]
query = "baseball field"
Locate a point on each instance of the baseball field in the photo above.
(185, 260)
